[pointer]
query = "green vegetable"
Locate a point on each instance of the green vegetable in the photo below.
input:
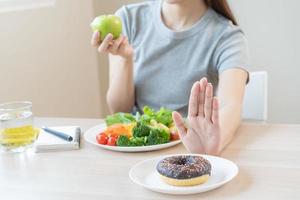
(141, 130)
(151, 127)
(137, 141)
(123, 141)
(163, 116)
(147, 116)
(158, 136)
(145, 119)
(148, 111)
(119, 118)
(154, 124)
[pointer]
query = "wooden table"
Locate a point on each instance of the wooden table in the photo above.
(268, 157)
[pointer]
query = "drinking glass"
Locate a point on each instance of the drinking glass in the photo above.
(17, 132)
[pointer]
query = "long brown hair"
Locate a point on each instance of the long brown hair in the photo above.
(222, 7)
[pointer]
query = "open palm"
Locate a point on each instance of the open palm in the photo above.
(201, 134)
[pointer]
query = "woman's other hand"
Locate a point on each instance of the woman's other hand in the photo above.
(202, 134)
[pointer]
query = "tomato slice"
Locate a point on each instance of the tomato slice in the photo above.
(102, 138)
(112, 141)
(174, 136)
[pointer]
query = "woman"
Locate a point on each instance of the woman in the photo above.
(166, 48)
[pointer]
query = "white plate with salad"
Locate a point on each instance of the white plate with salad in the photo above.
(126, 132)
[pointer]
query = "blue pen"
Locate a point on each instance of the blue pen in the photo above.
(58, 134)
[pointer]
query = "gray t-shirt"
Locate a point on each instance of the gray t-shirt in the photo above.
(167, 63)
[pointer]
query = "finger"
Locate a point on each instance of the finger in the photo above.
(193, 102)
(105, 43)
(215, 111)
(208, 101)
(203, 84)
(179, 124)
(123, 45)
(125, 49)
(95, 41)
(116, 44)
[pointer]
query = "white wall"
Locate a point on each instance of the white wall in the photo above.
(46, 57)
(273, 30)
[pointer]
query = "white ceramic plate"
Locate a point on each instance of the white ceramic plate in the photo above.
(90, 136)
(145, 175)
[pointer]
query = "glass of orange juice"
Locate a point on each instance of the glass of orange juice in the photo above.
(17, 132)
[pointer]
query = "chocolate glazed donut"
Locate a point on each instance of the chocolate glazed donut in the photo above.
(184, 170)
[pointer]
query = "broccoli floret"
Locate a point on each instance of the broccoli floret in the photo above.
(141, 130)
(149, 114)
(123, 141)
(157, 136)
(145, 119)
(137, 141)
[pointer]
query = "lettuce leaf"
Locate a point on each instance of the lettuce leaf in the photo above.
(119, 118)
(163, 116)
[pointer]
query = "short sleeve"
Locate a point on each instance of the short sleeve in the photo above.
(123, 14)
(232, 51)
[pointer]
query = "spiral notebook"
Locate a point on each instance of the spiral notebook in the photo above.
(48, 142)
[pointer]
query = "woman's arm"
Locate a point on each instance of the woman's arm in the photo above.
(210, 126)
(230, 93)
(120, 95)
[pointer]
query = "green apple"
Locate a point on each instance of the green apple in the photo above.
(106, 24)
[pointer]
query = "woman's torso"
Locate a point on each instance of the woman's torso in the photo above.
(167, 63)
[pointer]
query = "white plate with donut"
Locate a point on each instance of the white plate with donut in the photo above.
(90, 137)
(146, 175)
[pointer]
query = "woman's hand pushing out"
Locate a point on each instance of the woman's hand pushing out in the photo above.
(119, 47)
(202, 134)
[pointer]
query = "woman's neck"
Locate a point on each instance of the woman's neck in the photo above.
(182, 15)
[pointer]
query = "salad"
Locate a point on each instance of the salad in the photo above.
(150, 128)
